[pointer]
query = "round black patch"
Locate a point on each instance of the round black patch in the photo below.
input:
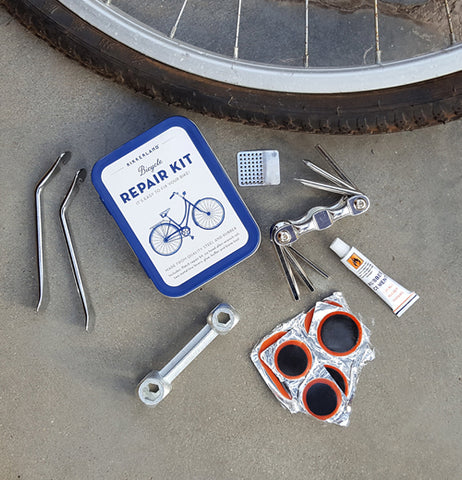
(339, 333)
(321, 399)
(292, 360)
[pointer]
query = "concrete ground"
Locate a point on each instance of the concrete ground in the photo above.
(68, 408)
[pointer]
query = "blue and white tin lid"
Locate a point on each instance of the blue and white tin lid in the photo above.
(176, 206)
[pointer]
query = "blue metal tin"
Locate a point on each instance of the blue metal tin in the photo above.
(176, 206)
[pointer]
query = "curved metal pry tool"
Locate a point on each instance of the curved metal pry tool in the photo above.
(78, 178)
(285, 233)
(61, 160)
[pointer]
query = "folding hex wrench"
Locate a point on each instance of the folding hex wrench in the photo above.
(61, 160)
(285, 233)
(78, 178)
(156, 385)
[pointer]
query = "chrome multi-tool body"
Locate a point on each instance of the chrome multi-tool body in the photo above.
(285, 233)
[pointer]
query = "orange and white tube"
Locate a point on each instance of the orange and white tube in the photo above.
(398, 298)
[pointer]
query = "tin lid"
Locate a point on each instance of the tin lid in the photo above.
(176, 206)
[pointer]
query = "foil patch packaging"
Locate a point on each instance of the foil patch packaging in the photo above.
(312, 362)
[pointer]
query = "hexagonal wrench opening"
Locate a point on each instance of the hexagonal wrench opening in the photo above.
(153, 389)
(223, 318)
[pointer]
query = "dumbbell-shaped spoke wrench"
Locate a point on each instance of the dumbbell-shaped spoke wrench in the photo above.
(156, 385)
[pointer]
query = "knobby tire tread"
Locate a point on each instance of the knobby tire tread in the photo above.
(390, 110)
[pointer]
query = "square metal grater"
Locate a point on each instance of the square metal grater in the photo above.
(258, 167)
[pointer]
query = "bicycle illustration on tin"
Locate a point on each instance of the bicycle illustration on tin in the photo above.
(167, 236)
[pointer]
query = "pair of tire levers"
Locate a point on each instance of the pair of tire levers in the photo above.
(79, 177)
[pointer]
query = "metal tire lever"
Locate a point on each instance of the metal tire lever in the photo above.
(61, 160)
(78, 178)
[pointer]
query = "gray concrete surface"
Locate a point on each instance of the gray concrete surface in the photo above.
(68, 408)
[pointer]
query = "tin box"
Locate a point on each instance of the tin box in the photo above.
(176, 206)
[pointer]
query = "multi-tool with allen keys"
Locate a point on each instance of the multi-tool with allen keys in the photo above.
(285, 233)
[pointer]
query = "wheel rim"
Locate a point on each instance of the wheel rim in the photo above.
(139, 36)
(165, 239)
(208, 213)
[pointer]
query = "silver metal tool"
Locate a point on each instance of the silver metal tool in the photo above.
(78, 178)
(61, 160)
(285, 233)
(258, 167)
(156, 385)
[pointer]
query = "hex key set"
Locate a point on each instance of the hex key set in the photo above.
(285, 233)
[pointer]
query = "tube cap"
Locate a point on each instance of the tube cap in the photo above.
(340, 247)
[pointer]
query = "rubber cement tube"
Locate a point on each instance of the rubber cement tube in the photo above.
(391, 292)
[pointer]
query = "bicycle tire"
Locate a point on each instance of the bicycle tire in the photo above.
(401, 108)
(163, 241)
(208, 213)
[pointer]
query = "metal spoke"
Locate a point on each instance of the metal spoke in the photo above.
(238, 26)
(449, 17)
(378, 53)
(173, 30)
(306, 33)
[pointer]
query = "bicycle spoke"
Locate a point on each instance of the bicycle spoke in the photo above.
(378, 53)
(173, 30)
(238, 26)
(306, 34)
(451, 28)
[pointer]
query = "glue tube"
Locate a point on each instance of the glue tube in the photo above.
(391, 292)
